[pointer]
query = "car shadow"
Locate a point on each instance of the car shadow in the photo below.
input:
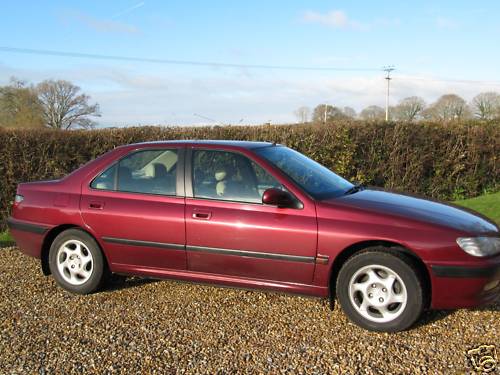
(122, 282)
(432, 316)
(495, 307)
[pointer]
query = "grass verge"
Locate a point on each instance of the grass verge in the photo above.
(488, 205)
(6, 239)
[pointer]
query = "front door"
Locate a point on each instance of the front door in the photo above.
(136, 209)
(230, 232)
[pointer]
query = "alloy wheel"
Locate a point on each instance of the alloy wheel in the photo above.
(378, 293)
(74, 262)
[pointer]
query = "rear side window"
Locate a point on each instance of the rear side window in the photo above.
(148, 172)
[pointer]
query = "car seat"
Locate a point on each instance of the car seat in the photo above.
(160, 171)
(225, 186)
(125, 179)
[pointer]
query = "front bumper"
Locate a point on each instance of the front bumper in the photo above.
(463, 286)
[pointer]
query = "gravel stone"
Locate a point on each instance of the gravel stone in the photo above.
(162, 327)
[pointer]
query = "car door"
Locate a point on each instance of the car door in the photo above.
(230, 232)
(135, 207)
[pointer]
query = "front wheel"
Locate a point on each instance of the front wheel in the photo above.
(76, 262)
(380, 290)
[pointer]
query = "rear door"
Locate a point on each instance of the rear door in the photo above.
(230, 232)
(135, 207)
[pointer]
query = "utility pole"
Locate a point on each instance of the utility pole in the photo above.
(387, 69)
(324, 118)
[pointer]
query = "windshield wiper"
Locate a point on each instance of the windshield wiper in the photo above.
(354, 189)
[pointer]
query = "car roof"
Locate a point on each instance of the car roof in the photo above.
(231, 143)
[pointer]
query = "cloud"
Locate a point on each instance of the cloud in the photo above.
(336, 19)
(387, 22)
(128, 96)
(445, 23)
(99, 25)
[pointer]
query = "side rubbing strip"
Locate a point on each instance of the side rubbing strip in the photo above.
(253, 254)
(212, 250)
(26, 227)
(161, 245)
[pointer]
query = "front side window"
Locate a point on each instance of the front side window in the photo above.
(148, 171)
(317, 180)
(229, 176)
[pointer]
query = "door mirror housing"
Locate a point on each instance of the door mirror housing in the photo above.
(279, 198)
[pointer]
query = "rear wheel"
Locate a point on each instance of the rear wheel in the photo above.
(76, 262)
(380, 291)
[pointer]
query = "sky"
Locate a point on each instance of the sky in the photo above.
(437, 47)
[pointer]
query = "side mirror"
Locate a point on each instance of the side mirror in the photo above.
(277, 197)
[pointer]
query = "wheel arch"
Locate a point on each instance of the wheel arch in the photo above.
(349, 251)
(49, 239)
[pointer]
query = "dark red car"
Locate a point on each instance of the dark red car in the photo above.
(257, 215)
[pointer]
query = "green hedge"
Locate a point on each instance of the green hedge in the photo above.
(446, 161)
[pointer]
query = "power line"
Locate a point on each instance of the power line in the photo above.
(176, 62)
(208, 118)
(451, 80)
(228, 65)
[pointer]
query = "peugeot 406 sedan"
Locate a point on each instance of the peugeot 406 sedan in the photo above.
(257, 215)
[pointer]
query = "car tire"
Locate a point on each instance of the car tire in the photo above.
(381, 289)
(77, 262)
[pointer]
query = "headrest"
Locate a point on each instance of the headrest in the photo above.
(220, 175)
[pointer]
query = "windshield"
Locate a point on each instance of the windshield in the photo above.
(318, 181)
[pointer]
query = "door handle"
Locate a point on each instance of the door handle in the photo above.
(96, 205)
(202, 215)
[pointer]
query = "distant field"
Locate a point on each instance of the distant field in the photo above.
(488, 205)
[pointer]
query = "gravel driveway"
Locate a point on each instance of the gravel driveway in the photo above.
(145, 326)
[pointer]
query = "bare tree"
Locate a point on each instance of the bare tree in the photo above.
(486, 105)
(327, 113)
(373, 112)
(19, 105)
(349, 112)
(302, 114)
(64, 107)
(448, 107)
(321, 112)
(409, 109)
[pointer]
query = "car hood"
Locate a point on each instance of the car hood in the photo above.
(416, 208)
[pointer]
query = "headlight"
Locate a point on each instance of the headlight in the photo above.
(18, 198)
(480, 246)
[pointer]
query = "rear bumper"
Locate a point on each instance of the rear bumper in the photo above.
(28, 236)
(460, 286)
